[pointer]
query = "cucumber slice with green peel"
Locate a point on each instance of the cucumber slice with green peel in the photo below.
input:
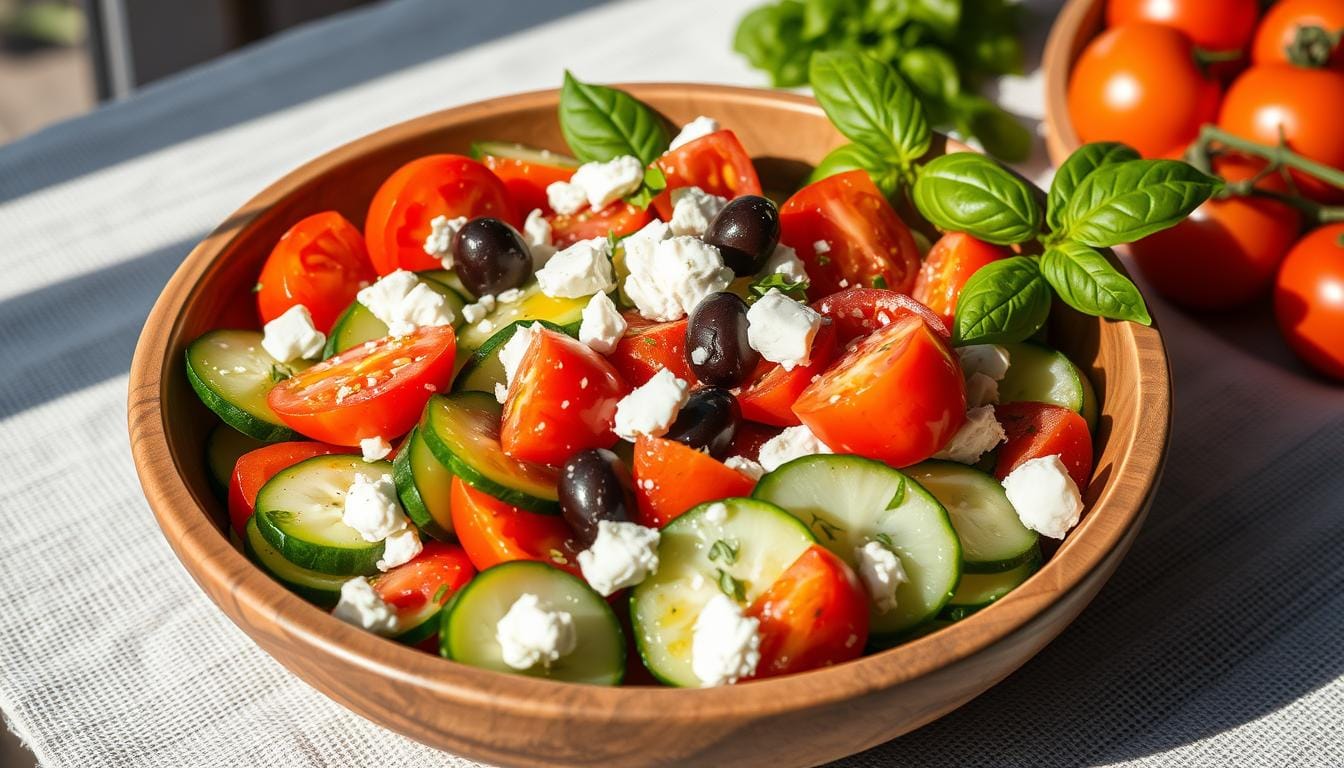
(425, 488)
(300, 511)
(462, 431)
(320, 589)
(664, 608)
(483, 370)
(357, 324)
(223, 447)
(449, 278)
(232, 375)
(514, 151)
(469, 624)
(415, 628)
(848, 501)
(993, 538)
(978, 590)
(531, 305)
(1039, 374)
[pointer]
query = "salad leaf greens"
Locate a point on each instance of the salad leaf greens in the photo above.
(601, 123)
(871, 105)
(1086, 281)
(966, 192)
(1004, 301)
(1077, 167)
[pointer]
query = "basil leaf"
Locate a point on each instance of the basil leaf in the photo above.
(655, 181)
(601, 123)
(1004, 301)
(1124, 202)
(1077, 167)
(931, 71)
(870, 104)
(942, 16)
(1086, 281)
(763, 285)
(771, 37)
(966, 192)
(852, 157)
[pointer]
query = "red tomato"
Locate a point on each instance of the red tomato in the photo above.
(1214, 25)
(562, 401)
(769, 398)
(648, 347)
(493, 532)
(670, 478)
(950, 263)
(858, 312)
(717, 163)
(526, 182)
(1042, 429)
(432, 186)
(376, 391)
(1140, 84)
(896, 397)
(616, 219)
(813, 616)
(1303, 106)
(1309, 299)
(868, 244)
(320, 263)
(254, 468)
(1278, 30)
(437, 572)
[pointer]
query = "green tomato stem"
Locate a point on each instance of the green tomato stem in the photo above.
(1279, 154)
(1312, 46)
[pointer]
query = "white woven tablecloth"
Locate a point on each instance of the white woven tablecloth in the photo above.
(1219, 642)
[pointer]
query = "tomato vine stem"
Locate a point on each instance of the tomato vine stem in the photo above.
(1279, 157)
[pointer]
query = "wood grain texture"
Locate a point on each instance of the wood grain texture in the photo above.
(1074, 28)
(512, 720)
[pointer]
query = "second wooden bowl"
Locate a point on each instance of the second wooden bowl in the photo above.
(1074, 28)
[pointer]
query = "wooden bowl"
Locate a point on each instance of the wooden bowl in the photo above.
(1074, 28)
(513, 720)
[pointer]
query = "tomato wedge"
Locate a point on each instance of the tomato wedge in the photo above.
(435, 574)
(616, 219)
(897, 396)
(254, 468)
(858, 312)
(493, 532)
(770, 397)
(1042, 429)
(648, 347)
(670, 478)
(526, 182)
(717, 163)
(321, 263)
(437, 185)
(562, 401)
(866, 243)
(950, 263)
(814, 615)
(376, 389)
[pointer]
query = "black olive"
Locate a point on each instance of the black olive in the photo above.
(490, 257)
(708, 421)
(746, 232)
(716, 341)
(595, 486)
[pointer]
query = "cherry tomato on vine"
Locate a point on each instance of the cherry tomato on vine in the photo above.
(321, 263)
(1309, 299)
(1213, 25)
(1279, 28)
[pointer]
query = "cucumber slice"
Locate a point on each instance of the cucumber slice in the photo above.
(425, 488)
(513, 151)
(532, 305)
(462, 431)
(469, 623)
(978, 590)
(357, 324)
(415, 628)
(664, 608)
(449, 278)
(993, 538)
(223, 447)
(320, 589)
(1039, 374)
(848, 501)
(232, 375)
(300, 510)
(483, 370)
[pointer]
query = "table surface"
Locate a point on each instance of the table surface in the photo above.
(1216, 643)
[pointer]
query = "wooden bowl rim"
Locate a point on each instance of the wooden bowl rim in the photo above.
(210, 558)
(1057, 65)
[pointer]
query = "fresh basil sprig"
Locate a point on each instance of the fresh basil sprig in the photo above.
(1004, 301)
(1086, 281)
(1123, 202)
(853, 157)
(763, 285)
(871, 105)
(966, 192)
(601, 123)
(1077, 167)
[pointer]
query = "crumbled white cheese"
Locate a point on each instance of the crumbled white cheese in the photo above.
(725, 644)
(372, 509)
(668, 280)
(537, 234)
(782, 329)
(981, 390)
(788, 445)
(291, 336)
(698, 128)
(399, 548)
(821, 247)
(509, 296)
(565, 197)
(603, 326)
(582, 269)
(622, 555)
(374, 448)
(881, 571)
(439, 243)
(717, 513)
(990, 359)
(977, 436)
(650, 409)
(529, 634)
(605, 183)
(784, 261)
(511, 355)
(749, 467)
(361, 606)
(403, 303)
(1045, 497)
(473, 313)
(693, 209)
(699, 355)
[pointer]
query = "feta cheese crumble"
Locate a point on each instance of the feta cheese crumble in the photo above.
(622, 555)
(537, 235)
(725, 644)
(603, 326)
(403, 303)
(374, 448)
(372, 509)
(821, 247)
(291, 336)
(991, 360)
(473, 313)
(582, 269)
(361, 606)
(399, 548)
(788, 445)
(1045, 497)
(529, 634)
(784, 261)
(669, 279)
(782, 329)
(881, 571)
(749, 467)
(565, 197)
(598, 184)
(439, 243)
(511, 355)
(977, 436)
(651, 408)
(981, 390)
(693, 209)
(698, 128)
